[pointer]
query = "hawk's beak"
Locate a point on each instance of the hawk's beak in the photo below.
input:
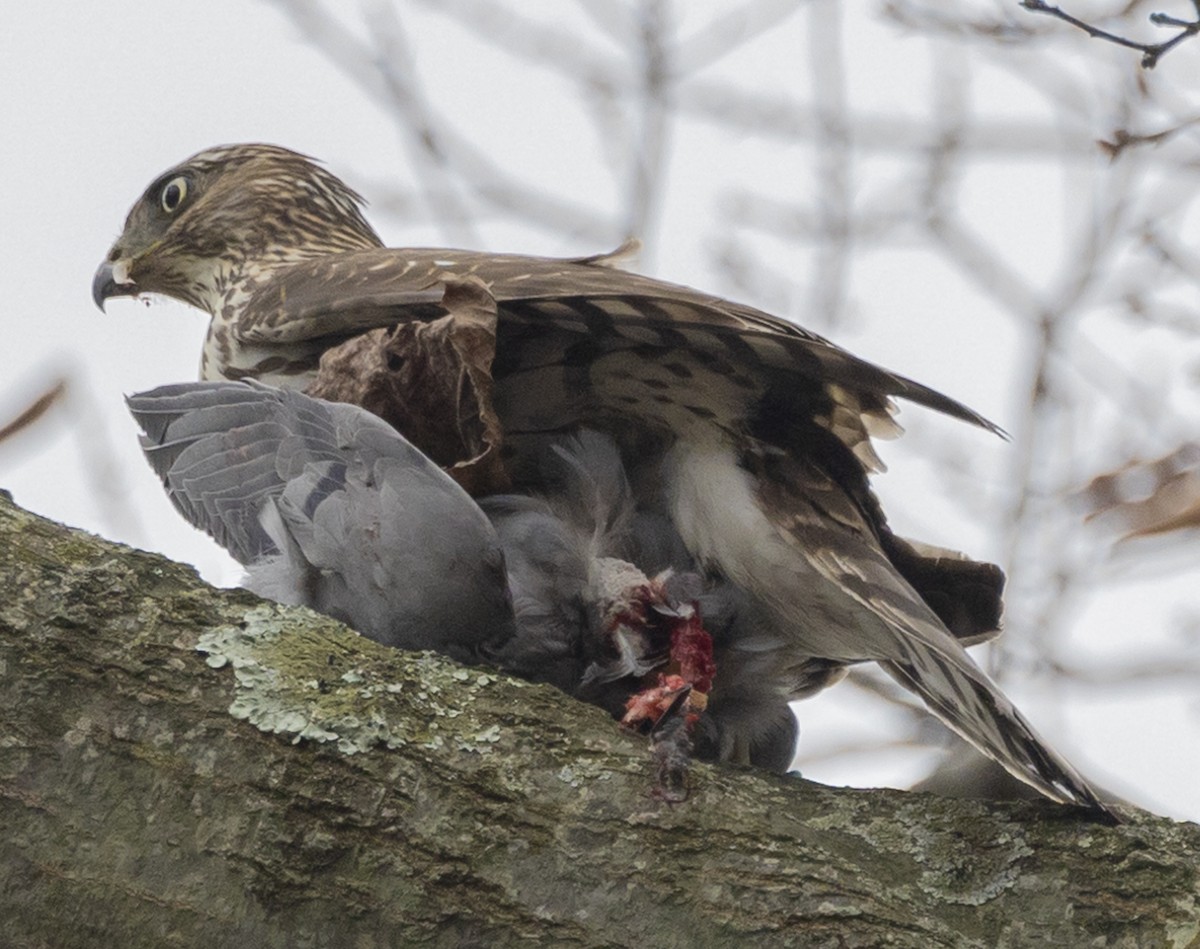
(112, 280)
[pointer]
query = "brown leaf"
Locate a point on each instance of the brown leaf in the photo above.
(432, 382)
(1145, 497)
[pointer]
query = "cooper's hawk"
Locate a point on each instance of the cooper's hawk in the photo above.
(746, 433)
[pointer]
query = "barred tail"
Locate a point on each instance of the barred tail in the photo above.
(965, 700)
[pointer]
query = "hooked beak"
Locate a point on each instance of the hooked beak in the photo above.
(112, 280)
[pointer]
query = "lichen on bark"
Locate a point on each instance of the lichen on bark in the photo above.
(181, 765)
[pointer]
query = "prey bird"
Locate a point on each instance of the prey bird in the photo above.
(320, 501)
(748, 436)
(328, 506)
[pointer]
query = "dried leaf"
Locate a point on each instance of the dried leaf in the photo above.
(1155, 496)
(432, 382)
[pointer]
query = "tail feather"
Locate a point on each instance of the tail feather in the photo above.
(965, 700)
(811, 562)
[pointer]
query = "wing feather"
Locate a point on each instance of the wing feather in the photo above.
(893, 624)
(328, 506)
(357, 291)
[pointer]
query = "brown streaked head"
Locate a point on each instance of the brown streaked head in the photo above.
(225, 213)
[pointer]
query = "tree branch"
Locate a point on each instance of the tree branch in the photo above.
(1151, 52)
(179, 763)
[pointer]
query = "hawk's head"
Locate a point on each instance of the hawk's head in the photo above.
(225, 215)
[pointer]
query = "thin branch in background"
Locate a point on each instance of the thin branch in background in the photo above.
(941, 20)
(882, 220)
(648, 86)
(66, 394)
(468, 163)
(1151, 52)
(746, 274)
(394, 62)
(835, 159)
(1172, 252)
(530, 42)
(53, 395)
(1134, 671)
(1121, 139)
(616, 20)
(730, 31)
(649, 155)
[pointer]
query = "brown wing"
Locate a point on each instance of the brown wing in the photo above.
(347, 293)
(887, 620)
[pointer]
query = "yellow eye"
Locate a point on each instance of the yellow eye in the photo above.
(173, 194)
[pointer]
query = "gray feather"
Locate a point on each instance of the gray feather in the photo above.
(562, 546)
(328, 507)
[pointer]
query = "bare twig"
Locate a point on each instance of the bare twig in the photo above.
(1151, 52)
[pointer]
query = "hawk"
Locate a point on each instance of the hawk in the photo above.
(748, 435)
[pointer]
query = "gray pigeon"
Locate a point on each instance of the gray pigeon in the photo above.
(328, 507)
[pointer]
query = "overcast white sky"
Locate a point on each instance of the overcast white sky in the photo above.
(98, 100)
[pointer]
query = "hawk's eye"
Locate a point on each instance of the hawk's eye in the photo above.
(172, 194)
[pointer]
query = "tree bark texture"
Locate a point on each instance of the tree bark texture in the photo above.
(185, 766)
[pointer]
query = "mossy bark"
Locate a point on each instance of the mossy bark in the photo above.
(184, 766)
